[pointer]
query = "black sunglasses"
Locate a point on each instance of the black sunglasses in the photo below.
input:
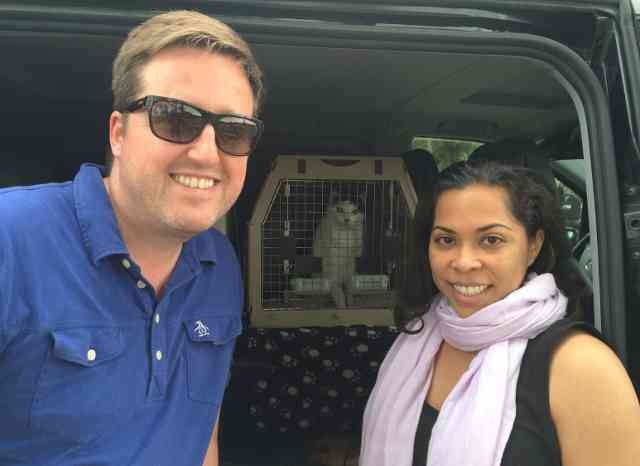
(176, 121)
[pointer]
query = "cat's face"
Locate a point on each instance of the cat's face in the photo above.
(346, 212)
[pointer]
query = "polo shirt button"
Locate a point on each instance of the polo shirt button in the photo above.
(159, 355)
(156, 318)
(126, 264)
(91, 355)
(141, 284)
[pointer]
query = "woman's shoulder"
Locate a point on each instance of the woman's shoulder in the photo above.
(581, 354)
(581, 357)
(544, 347)
(592, 400)
(547, 357)
(581, 362)
(571, 362)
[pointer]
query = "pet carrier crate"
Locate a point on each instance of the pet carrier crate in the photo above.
(328, 241)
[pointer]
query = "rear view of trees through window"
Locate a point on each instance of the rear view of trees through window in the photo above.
(446, 151)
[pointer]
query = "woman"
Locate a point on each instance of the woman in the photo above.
(493, 374)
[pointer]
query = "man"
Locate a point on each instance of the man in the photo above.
(119, 304)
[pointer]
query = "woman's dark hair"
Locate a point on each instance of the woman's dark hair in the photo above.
(532, 202)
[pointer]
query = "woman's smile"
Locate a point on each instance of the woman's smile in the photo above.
(469, 290)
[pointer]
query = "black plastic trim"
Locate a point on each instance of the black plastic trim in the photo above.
(493, 15)
(630, 65)
(407, 6)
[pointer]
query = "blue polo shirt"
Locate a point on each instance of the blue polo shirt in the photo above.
(94, 369)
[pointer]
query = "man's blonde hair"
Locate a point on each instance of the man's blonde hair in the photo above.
(178, 29)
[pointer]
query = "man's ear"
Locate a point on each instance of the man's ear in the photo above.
(117, 127)
(535, 246)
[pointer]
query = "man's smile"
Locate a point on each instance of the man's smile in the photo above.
(194, 181)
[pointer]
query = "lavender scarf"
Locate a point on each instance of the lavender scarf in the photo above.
(477, 417)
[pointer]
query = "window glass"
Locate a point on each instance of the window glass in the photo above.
(446, 151)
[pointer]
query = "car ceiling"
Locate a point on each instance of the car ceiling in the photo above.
(324, 99)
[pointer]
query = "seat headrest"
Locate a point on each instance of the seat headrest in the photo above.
(422, 168)
(522, 152)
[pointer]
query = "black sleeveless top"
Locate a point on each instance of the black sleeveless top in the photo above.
(533, 440)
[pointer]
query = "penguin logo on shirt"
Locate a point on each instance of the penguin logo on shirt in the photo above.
(201, 329)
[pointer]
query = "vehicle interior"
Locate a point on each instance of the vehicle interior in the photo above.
(354, 104)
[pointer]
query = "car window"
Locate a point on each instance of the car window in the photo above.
(446, 151)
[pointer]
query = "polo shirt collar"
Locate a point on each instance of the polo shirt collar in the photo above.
(99, 227)
(201, 249)
(95, 214)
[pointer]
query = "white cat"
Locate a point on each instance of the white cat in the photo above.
(338, 242)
